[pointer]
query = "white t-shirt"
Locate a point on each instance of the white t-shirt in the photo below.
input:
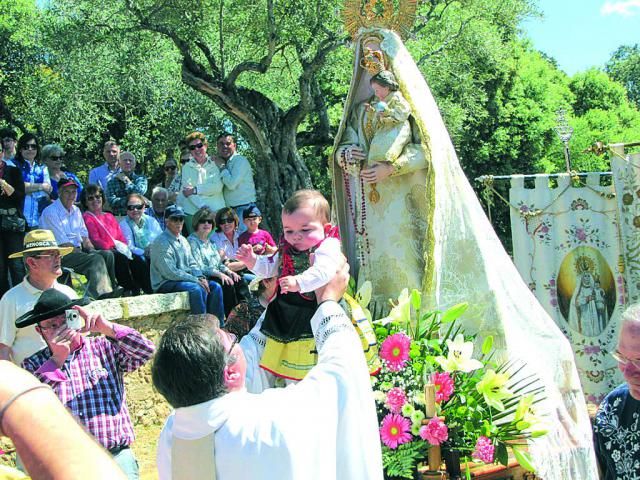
(24, 342)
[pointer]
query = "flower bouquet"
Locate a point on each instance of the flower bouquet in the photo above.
(477, 408)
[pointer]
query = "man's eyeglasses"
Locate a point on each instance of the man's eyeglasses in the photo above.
(135, 207)
(197, 145)
(55, 326)
(91, 198)
(224, 221)
(624, 361)
(170, 168)
(56, 157)
(205, 220)
(176, 219)
(30, 146)
(234, 340)
(47, 255)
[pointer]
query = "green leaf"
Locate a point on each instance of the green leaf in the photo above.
(434, 344)
(502, 456)
(454, 312)
(416, 299)
(524, 458)
(487, 344)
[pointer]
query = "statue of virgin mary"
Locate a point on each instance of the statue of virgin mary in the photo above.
(409, 218)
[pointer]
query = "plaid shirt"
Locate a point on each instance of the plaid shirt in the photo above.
(90, 382)
(117, 191)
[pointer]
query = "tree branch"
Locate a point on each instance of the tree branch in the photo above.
(309, 68)
(447, 42)
(263, 65)
(210, 58)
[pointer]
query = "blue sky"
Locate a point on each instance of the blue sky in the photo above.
(583, 33)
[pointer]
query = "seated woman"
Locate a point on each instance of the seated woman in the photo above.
(105, 233)
(225, 238)
(140, 230)
(52, 156)
(206, 255)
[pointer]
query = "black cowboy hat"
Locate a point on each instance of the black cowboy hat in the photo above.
(50, 304)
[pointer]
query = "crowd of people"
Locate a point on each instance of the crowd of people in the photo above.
(128, 236)
(199, 232)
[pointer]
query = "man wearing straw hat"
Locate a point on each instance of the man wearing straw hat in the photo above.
(43, 261)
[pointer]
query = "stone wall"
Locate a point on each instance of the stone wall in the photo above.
(151, 315)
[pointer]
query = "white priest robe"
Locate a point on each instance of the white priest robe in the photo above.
(322, 428)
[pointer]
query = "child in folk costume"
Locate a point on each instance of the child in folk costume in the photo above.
(307, 259)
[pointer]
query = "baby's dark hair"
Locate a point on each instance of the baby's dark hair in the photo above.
(311, 198)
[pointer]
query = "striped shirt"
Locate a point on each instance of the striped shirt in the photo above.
(90, 382)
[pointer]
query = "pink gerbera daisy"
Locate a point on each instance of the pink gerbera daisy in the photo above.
(396, 398)
(395, 351)
(394, 430)
(484, 450)
(435, 432)
(444, 386)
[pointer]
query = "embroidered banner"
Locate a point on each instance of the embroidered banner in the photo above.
(626, 175)
(567, 247)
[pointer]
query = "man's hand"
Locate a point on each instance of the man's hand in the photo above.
(46, 187)
(289, 284)
(226, 280)
(234, 276)
(334, 290)
(87, 245)
(204, 283)
(246, 255)
(188, 191)
(95, 322)
(123, 178)
(60, 344)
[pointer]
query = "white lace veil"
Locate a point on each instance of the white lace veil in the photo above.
(466, 262)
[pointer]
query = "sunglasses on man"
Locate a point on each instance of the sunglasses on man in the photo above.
(197, 145)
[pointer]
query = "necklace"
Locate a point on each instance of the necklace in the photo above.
(358, 222)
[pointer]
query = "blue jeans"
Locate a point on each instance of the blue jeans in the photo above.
(199, 300)
(127, 462)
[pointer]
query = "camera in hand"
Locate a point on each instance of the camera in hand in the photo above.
(74, 321)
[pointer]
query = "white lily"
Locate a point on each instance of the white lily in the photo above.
(401, 312)
(459, 357)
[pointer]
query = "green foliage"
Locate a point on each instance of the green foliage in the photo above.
(594, 89)
(624, 67)
(402, 461)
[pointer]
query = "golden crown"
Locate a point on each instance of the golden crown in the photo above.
(379, 13)
(372, 61)
(585, 264)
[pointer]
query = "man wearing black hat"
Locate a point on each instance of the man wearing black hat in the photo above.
(87, 372)
(173, 268)
(64, 219)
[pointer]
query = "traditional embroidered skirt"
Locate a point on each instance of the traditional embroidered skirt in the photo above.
(290, 350)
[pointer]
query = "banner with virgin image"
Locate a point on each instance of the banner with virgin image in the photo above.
(567, 247)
